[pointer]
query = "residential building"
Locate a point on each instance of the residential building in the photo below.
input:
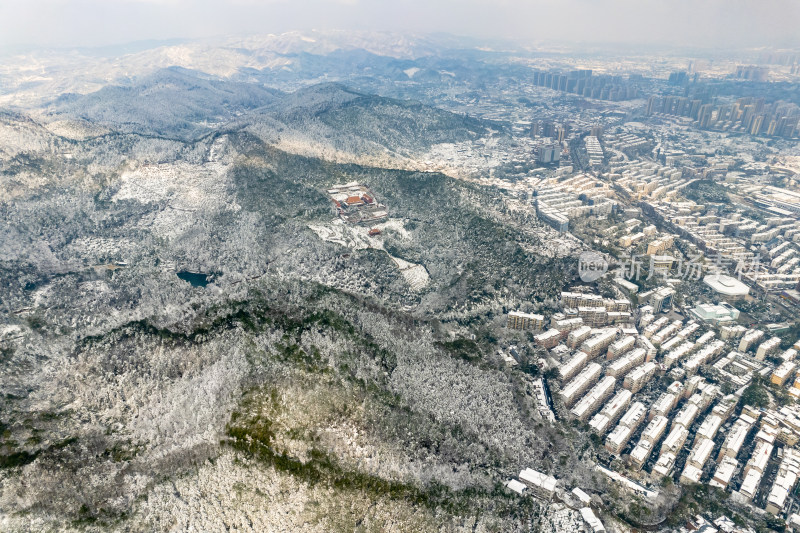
(581, 383)
(574, 365)
(639, 376)
(724, 473)
(525, 321)
(540, 484)
(592, 401)
(784, 372)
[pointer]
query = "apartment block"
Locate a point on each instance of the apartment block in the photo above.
(675, 439)
(594, 346)
(634, 416)
(785, 481)
(581, 383)
(549, 339)
(760, 457)
(621, 346)
(783, 373)
(686, 416)
(724, 473)
(525, 321)
(593, 399)
(611, 411)
(663, 405)
(618, 439)
(665, 464)
(767, 347)
(749, 339)
(655, 429)
(639, 376)
(640, 453)
(624, 364)
(578, 335)
(708, 429)
(574, 365)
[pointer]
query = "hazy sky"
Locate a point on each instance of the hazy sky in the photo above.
(719, 23)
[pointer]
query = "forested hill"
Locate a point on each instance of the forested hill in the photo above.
(181, 104)
(171, 102)
(308, 372)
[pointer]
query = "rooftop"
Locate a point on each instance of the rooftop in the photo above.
(726, 285)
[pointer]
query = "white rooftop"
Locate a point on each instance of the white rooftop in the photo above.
(727, 285)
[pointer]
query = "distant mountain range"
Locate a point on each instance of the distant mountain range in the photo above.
(33, 76)
(185, 105)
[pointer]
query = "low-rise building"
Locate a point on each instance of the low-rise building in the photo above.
(594, 523)
(540, 484)
(715, 313)
(728, 287)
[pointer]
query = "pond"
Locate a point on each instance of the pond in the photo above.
(196, 279)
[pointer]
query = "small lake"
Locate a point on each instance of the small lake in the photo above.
(196, 279)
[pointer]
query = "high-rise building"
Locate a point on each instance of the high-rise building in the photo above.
(755, 128)
(549, 153)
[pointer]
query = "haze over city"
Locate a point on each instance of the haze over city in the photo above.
(685, 23)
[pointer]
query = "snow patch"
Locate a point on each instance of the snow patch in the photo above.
(358, 238)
